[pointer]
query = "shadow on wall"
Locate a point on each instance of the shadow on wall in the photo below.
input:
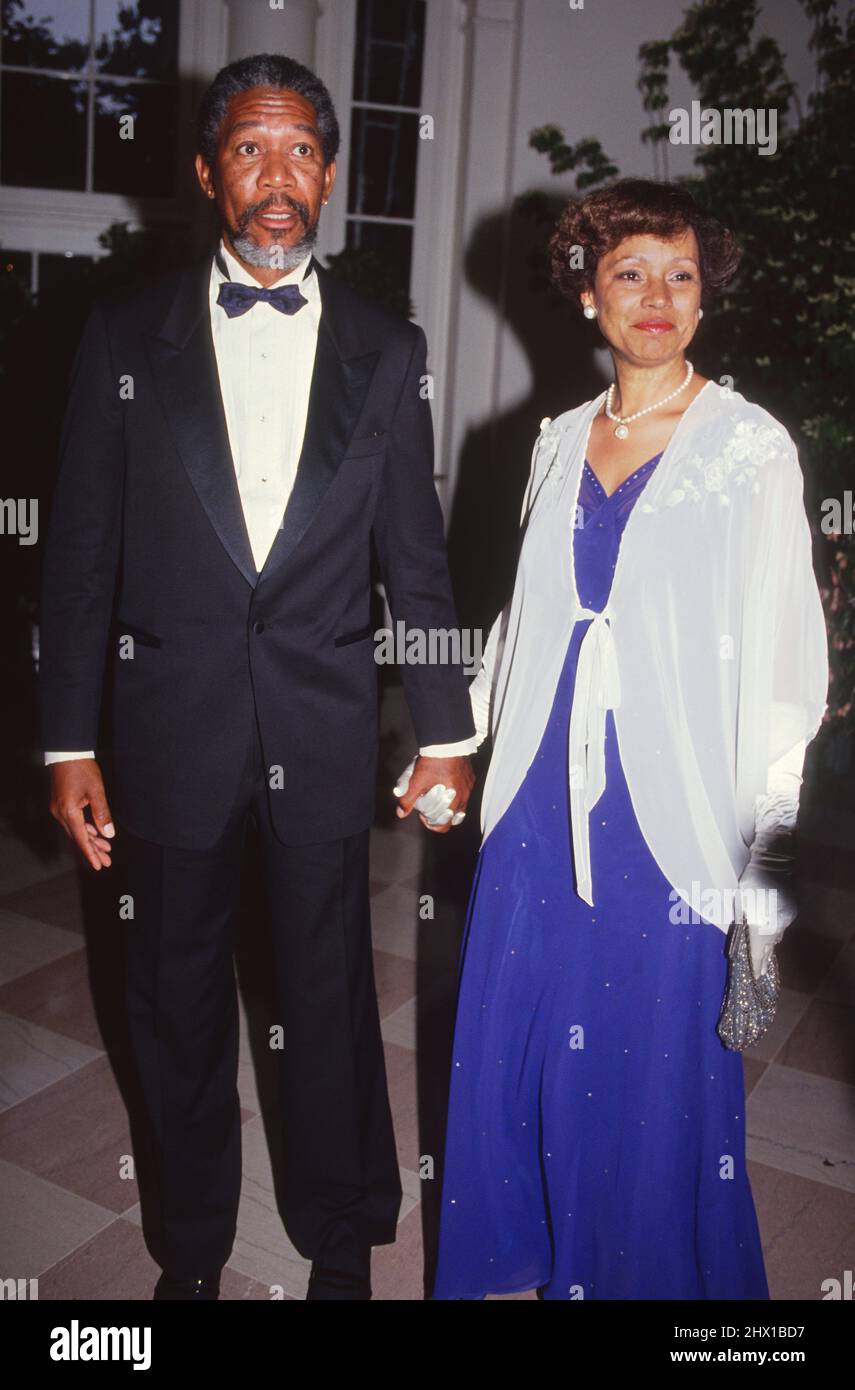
(495, 457)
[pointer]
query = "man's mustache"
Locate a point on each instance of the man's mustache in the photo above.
(272, 204)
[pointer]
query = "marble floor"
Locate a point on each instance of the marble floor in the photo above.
(70, 1213)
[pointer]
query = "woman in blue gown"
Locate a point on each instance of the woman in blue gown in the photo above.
(595, 1145)
(596, 1126)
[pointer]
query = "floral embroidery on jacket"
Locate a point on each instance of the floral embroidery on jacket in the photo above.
(546, 462)
(548, 443)
(749, 447)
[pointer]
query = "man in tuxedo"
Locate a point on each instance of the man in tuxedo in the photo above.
(236, 434)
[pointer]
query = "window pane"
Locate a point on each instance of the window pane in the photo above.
(384, 148)
(146, 164)
(43, 124)
(389, 50)
(59, 271)
(394, 245)
(137, 38)
(39, 34)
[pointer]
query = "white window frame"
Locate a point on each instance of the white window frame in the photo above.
(66, 220)
(435, 233)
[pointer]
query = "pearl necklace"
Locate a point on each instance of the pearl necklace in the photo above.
(624, 421)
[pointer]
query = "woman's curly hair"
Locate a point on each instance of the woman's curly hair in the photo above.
(602, 219)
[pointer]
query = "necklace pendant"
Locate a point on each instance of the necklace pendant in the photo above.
(621, 432)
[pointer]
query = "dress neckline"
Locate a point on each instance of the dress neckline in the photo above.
(609, 495)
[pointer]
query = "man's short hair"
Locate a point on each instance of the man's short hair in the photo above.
(264, 70)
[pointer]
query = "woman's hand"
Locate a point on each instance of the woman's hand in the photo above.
(438, 788)
(768, 899)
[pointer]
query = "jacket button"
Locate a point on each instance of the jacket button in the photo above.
(258, 625)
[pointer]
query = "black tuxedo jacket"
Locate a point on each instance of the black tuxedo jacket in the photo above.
(147, 539)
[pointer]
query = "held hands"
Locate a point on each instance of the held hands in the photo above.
(438, 788)
(74, 785)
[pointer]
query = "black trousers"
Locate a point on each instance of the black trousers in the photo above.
(340, 1182)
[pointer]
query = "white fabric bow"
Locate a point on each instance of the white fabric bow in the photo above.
(597, 689)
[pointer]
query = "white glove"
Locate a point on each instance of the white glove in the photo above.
(767, 896)
(766, 885)
(434, 804)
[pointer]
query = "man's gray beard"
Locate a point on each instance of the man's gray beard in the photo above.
(275, 257)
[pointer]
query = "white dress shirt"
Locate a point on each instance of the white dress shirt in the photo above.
(265, 407)
(266, 410)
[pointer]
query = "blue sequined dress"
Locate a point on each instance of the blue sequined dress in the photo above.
(596, 1127)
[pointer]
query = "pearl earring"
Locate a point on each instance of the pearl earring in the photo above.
(700, 313)
(589, 311)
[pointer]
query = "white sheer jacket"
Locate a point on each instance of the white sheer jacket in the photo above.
(711, 651)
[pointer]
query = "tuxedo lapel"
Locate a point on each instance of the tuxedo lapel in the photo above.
(340, 380)
(184, 363)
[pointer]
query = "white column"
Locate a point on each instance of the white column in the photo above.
(273, 26)
(485, 190)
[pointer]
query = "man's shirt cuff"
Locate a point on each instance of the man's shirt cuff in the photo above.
(450, 750)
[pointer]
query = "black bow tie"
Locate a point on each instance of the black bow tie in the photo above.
(236, 297)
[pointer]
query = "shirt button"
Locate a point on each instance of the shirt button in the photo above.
(258, 625)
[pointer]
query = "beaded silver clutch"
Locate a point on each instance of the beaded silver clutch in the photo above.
(749, 1004)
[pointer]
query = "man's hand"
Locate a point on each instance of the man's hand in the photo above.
(454, 773)
(74, 785)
